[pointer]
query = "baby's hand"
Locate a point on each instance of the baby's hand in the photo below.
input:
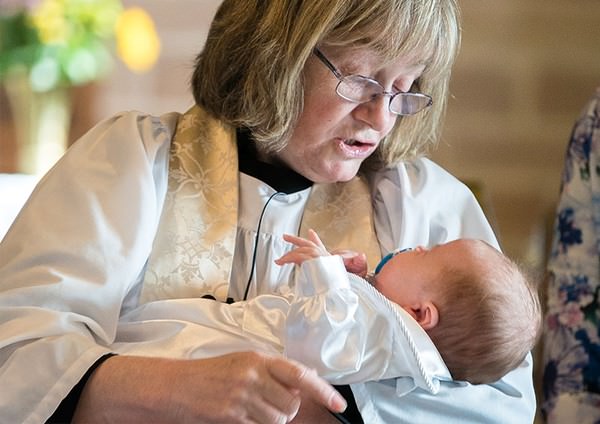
(305, 249)
(355, 262)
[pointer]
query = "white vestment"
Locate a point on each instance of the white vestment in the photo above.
(74, 264)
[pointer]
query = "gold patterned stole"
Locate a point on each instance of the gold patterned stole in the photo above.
(342, 215)
(194, 246)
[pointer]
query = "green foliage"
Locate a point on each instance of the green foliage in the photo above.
(57, 42)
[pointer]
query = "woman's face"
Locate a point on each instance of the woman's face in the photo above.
(334, 136)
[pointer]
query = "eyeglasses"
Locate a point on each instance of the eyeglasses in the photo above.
(360, 89)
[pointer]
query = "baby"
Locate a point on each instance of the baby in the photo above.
(458, 311)
(478, 308)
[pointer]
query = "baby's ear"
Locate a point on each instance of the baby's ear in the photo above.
(426, 314)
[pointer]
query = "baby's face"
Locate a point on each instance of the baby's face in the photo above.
(411, 276)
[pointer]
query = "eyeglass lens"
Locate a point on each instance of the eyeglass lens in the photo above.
(356, 88)
(360, 89)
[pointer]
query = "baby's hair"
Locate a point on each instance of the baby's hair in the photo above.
(490, 317)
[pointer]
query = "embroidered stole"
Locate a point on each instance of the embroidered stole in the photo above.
(194, 246)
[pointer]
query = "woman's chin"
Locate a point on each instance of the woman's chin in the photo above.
(338, 174)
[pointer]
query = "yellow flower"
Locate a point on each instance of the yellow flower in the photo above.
(138, 44)
(49, 20)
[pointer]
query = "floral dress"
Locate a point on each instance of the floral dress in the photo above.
(571, 373)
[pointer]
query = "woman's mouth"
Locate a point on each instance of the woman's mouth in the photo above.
(354, 148)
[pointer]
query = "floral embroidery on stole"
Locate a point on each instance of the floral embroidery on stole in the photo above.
(193, 249)
(342, 215)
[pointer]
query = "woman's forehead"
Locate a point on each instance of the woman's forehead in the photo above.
(360, 56)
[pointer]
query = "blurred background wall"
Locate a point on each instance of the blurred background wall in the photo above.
(525, 70)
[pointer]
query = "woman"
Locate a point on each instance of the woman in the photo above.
(571, 359)
(294, 98)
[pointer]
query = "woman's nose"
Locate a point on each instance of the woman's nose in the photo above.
(376, 114)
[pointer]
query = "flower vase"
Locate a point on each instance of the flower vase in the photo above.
(42, 121)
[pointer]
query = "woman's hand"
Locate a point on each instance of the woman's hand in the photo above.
(245, 387)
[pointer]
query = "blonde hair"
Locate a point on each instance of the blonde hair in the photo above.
(490, 318)
(250, 73)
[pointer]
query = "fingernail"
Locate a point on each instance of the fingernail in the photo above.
(338, 403)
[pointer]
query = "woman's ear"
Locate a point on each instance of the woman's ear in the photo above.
(426, 314)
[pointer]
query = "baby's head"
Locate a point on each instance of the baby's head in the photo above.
(477, 306)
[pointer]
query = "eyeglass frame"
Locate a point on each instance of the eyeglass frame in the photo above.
(340, 77)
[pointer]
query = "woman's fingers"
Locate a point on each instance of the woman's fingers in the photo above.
(268, 388)
(261, 397)
(245, 387)
(263, 411)
(297, 376)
